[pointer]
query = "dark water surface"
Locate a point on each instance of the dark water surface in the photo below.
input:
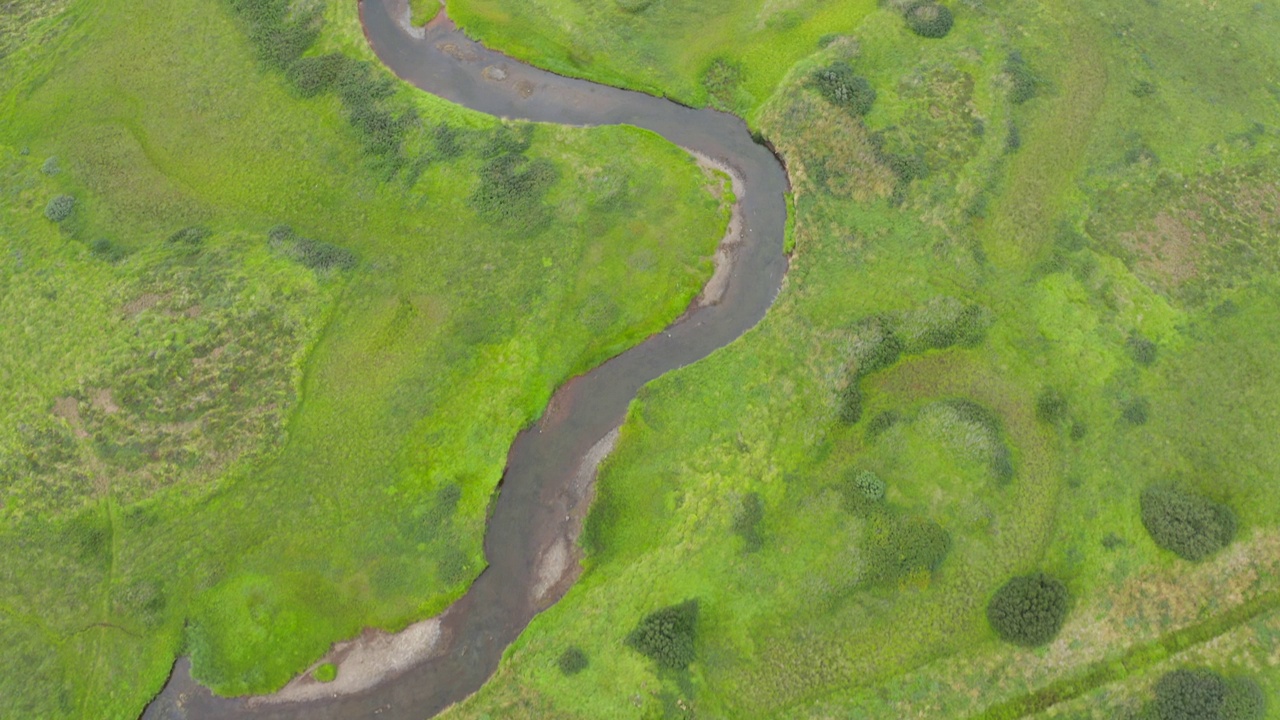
(535, 508)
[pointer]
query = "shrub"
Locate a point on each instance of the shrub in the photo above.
(844, 89)
(849, 402)
(279, 35)
(1142, 350)
(881, 423)
(876, 346)
(572, 661)
(326, 673)
(900, 547)
(104, 249)
(1051, 406)
(865, 488)
(315, 75)
(1135, 411)
(511, 188)
(722, 80)
(60, 208)
(1186, 523)
(667, 636)
(1198, 694)
(315, 254)
(50, 166)
(1029, 609)
(1023, 84)
(930, 20)
(191, 236)
(746, 521)
(447, 140)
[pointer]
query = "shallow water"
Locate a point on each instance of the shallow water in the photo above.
(543, 497)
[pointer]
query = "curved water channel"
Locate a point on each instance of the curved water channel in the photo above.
(529, 542)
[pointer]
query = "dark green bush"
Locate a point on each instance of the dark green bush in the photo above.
(279, 34)
(898, 547)
(1023, 84)
(668, 636)
(878, 346)
(50, 166)
(746, 522)
(1135, 411)
(1051, 406)
(722, 80)
(849, 402)
(448, 141)
(1198, 694)
(511, 188)
(967, 329)
(1186, 523)
(930, 20)
(190, 236)
(1029, 609)
(313, 76)
(60, 208)
(1142, 350)
(572, 661)
(881, 423)
(863, 491)
(845, 89)
(315, 254)
(104, 249)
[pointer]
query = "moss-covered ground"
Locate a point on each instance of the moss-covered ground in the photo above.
(259, 378)
(1035, 280)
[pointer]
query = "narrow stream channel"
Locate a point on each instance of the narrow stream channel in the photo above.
(545, 489)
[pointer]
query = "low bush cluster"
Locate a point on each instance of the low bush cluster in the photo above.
(1023, 84)
(192, 236)
(845, 89)
(572, 661)
(280, 35)
(1029, 610)
(105, 249)
(1186, 523)
(315, 254)
(930, 19)
(60, 208)
(746, 522)
(899, 547)
(1051, 406)
(668, 636)
(722, 80)
(1197, 694)
(512, 187)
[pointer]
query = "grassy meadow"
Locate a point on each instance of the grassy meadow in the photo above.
(1034, 284)
(270, 322)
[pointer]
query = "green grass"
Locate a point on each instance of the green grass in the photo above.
(1119, 213)
(225, 439)
(728, 53)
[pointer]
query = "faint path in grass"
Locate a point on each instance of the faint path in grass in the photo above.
(546, 489)
(1042, 172)
(1111, 670)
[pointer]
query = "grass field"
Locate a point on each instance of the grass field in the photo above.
(1035, 279)
(267, 344)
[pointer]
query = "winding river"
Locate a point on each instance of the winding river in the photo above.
(530, 541)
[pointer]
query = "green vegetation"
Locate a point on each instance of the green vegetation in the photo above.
(325, 673)
(1197, 694)
(265, 369)
(1029, 609)
(842, 88)
(1036, 279)
(929, 19)
(1186, 522)
(572, 661)
(668, 636)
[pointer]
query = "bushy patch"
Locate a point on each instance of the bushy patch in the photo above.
(511, 189)
(746, 521)
(191, 236)
(1023, 84)
(326, 673)
(1186, 523)
(901, 547)
(722, 80)
(50, 166)
(668, 636)
(315, 254)
(1197, 694)
(1136, 411)
(845, 89)
(105, 249)
(279, 34)
(1029, 609)
(60, 208)
(1051, 406)
(572, 661)
(1142, 350)
(929, 19)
